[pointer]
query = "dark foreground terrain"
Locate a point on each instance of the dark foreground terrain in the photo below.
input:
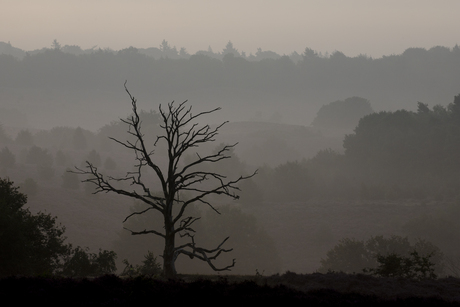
(290, 288)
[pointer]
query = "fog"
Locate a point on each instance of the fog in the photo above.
(349, 112)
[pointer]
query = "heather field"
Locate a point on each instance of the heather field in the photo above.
(289, 288)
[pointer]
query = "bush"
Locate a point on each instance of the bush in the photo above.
(354, 256)
(413, 266)
(348, 256)
(80, 263)
(150, 267)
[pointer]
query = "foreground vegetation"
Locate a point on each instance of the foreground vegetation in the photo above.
(34, 244)
(289, 288)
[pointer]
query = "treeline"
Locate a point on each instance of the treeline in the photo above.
(164, 50)
(232, 80)
(45, 157)
(103, 69)
(390, 155)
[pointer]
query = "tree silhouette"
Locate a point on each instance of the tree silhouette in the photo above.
(29, 244)
(181, 134)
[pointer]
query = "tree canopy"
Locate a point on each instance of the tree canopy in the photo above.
(342, 114)
(29, 244)
(34, 244)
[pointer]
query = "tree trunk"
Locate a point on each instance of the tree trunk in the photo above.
(169, 259)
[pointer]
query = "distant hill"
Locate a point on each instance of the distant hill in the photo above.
(68, 86)
(273, 143)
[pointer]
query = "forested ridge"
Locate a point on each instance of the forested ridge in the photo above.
(278, 88)
(390, 155)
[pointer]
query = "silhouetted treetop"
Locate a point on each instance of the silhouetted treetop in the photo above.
(342, 114)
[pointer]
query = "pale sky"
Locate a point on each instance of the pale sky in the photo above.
(354, 27)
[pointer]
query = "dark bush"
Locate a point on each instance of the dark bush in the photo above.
(81, 263)
(355, 256)
(413, 266)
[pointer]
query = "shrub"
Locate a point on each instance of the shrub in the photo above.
(355, 256)
(81, 263)
(348, 256)
(150, 267)
(413, 266)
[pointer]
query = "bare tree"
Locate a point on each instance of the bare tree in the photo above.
(181, 134)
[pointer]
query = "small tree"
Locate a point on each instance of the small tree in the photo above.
(181, 134)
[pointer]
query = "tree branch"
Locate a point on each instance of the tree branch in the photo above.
(180, 133)
(205, 254)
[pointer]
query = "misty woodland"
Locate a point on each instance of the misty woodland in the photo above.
(297, 178)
